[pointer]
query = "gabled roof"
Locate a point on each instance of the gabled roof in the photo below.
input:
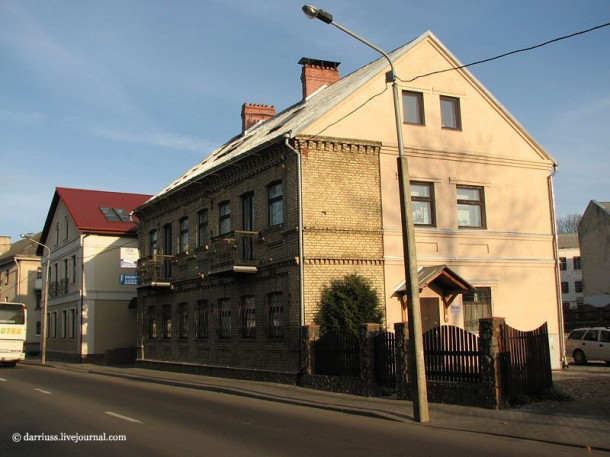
(292, 121)
(21, 248)
(568, 240)
(84, 208)
(448, 279)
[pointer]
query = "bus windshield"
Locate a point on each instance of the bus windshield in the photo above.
(12, 314)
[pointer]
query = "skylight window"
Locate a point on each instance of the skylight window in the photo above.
(116, 214)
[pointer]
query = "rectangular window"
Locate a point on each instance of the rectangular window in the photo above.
(151, 327)
(224, 304)
(563, 264)
(167, 250)
(565, 287)
(64, 323)
(202, 228)
(183, 320)
(74, 269)
(184, 234)
(54, 324)
(202, 319)
(413, 106)
(38, 328)
(275, 193)
(248, 317)
(166, 323)
(67, 234)
(578, 287)
(450, 113)
(153, 243)
(471, 207)
(224, 218)
(577, 263)
(422, 198)
(276, 315)
(477, 305)
(6, 276)
(72, 324)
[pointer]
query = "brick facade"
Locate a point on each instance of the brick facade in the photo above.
(341, 235)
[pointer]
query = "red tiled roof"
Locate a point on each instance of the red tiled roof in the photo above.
(84, 207)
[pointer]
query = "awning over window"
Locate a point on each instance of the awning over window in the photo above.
(441, 275)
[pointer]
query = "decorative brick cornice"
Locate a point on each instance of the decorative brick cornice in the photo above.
(336, 261)
(348, 145)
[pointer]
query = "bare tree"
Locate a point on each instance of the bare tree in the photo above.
(569, 223)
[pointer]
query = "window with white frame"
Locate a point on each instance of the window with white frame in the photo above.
(450, 113)
(471, 207)
(413, 107)
(422, 200)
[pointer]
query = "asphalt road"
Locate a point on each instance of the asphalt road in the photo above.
(40, 404)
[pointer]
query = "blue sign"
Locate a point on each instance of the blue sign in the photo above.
(128, 280)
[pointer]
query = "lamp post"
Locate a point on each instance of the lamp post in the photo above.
(43, 343)
(417, 372)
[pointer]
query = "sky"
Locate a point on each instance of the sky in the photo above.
(126, 95)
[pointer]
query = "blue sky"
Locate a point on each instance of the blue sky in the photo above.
(126, 95)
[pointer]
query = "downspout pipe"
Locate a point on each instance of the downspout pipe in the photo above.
(300, 227)
(562, 349)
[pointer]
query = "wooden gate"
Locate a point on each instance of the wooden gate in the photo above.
(451, 354)
(385, 359)
(337, 353)
(526, 361)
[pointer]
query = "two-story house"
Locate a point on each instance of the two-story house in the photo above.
(21, 282)
(237, 250)
(92, 273)
(594, 238)
(570, 266)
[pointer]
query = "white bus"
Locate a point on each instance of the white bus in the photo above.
(13, 321)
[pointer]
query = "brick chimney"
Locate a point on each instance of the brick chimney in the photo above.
(252, 113)
(317, 73)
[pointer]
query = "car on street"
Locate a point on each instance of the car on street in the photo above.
(591, 343)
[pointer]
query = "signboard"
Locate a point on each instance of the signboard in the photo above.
(128, 280)
(129, 257)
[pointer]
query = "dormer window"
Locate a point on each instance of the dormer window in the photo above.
(116, 214)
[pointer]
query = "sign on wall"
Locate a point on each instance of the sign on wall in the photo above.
(128, 280)
(129, 257)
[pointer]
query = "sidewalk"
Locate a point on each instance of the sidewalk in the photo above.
(545, 422)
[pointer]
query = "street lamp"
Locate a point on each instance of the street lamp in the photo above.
(417, 369)
(43, 343)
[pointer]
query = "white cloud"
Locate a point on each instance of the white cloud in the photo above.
(162, 139)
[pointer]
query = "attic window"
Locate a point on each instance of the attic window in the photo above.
(116, 214)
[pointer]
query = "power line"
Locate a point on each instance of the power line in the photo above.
(506, 54)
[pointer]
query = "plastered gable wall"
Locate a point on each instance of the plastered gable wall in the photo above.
(513, 254)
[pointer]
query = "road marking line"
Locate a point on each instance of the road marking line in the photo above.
(43, 391)
(2, 379)
(125, 418)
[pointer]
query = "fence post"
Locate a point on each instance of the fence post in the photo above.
(367, 357)
(403, 388)
(490, 353)
(309, 334)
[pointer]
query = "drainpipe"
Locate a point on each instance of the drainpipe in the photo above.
(300, 203)
(562, 349)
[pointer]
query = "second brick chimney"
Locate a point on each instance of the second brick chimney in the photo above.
(252, 113)
(317, 73)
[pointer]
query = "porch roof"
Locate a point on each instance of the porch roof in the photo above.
(442, 275)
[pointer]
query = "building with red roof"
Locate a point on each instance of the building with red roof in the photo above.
(92, 253)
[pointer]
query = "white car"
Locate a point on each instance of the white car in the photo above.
(591, 343)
